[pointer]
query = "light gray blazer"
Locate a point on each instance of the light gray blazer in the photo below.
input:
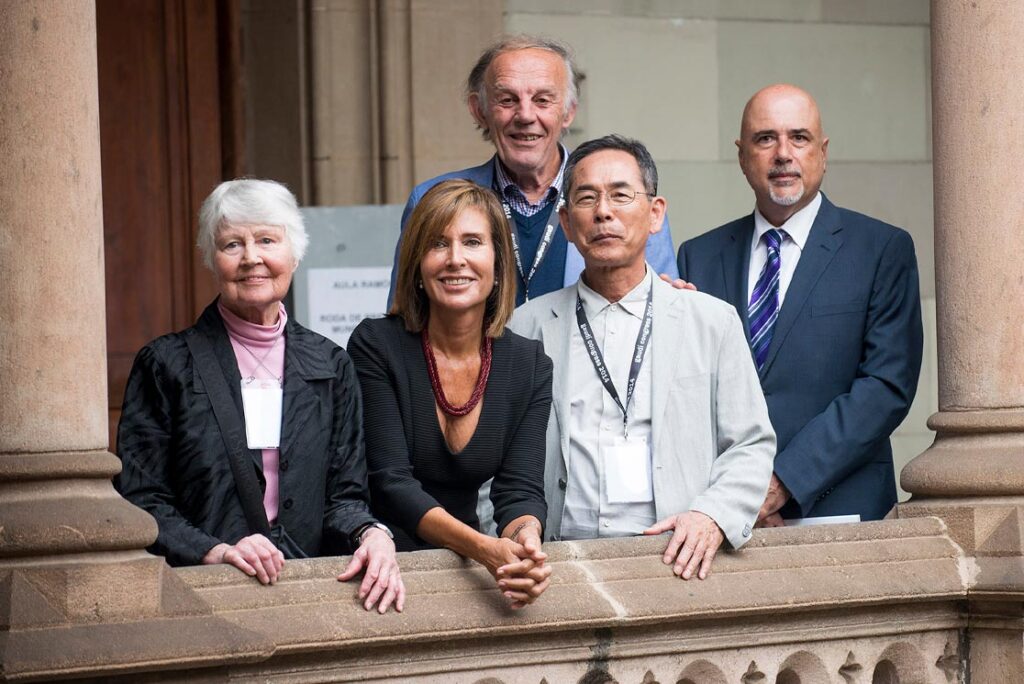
(713, 444)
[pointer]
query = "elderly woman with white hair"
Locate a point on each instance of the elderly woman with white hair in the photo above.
(242, 435)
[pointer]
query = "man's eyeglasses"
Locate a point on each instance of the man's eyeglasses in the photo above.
(620, 197)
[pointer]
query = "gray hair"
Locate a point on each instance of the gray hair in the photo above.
(648, 170)
(475, 83)
(250, 201)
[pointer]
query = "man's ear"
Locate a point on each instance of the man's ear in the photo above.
(476, 110)
(659, 205)
(570, 116)
(824, 154)
(563, 218)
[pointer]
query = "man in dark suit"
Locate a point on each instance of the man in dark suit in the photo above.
(830, 304)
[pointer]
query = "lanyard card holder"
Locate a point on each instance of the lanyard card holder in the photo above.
(627, 471)
(261, 403)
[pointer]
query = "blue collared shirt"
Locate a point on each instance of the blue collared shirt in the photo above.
(511, 193)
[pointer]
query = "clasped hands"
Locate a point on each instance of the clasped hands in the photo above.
(382, 584)
(519, 567)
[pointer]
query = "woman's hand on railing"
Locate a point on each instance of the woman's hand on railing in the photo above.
(382, 584)
(254, 555)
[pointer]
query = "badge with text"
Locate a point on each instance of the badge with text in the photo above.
(627, 472)
(261, 402)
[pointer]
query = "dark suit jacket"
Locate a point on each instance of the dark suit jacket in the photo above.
(175, 464)
(845, 355)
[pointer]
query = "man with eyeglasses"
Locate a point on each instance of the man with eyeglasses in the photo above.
(658, 420)
(522, 94)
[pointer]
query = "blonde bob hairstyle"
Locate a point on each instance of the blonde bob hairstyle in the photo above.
(431, 217)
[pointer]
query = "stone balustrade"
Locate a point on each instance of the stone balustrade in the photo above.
(846, 603)
(874, 602)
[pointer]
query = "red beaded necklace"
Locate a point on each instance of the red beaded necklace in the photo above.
(435, 380)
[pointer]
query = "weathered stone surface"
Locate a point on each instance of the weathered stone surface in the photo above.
(614, 605)
(979, 256)
(78, 595)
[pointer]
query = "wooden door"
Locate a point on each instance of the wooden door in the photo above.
(164, 114)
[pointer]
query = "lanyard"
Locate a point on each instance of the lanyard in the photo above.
(643, 339)
(542, 248)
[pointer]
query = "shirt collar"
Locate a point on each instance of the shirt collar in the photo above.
(798, 227)
(507, 185)
(594, 304)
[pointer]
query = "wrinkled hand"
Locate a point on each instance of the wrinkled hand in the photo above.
(678, 283)
(523, 580)
(771, 520)
(695, 541)
(254, 555)
(382, 580)
(775, 499)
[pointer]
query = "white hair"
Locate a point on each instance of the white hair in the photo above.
(476, 86)
(254, 202)
(785, 200)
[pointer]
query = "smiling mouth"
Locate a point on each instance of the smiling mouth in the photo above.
(523, 137)
(456, 281)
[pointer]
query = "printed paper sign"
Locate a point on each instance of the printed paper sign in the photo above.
(341, 297)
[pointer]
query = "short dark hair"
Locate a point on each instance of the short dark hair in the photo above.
(435, 212)
(648, 169)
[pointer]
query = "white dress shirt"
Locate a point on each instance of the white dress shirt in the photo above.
(794, 232)
(595, 420)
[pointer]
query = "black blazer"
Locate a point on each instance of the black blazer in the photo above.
(411, 468)
(845, 355)
(176, 468)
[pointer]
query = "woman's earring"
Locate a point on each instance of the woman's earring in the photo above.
(419, 284)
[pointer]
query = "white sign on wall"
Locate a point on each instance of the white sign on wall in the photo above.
(341, 297)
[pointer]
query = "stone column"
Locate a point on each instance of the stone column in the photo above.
(55, 470)
(76, 586)
(973, 474)
(977, 57)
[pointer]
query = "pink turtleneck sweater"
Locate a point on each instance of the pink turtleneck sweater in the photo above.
(268, 340)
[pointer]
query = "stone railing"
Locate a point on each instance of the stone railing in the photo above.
(875, 602)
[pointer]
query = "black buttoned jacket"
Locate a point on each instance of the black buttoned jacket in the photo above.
(175, 464)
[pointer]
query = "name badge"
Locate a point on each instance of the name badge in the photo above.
(627, 472)
(261, 403)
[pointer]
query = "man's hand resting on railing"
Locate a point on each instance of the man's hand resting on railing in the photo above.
(694, 542)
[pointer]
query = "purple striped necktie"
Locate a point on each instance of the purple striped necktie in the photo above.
(764, 301)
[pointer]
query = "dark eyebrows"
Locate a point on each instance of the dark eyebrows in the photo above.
(806, 132)
(616, 185)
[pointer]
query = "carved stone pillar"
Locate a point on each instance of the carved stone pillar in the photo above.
(973, 475)
(76, 586)
(55, 470)
(977, 55)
